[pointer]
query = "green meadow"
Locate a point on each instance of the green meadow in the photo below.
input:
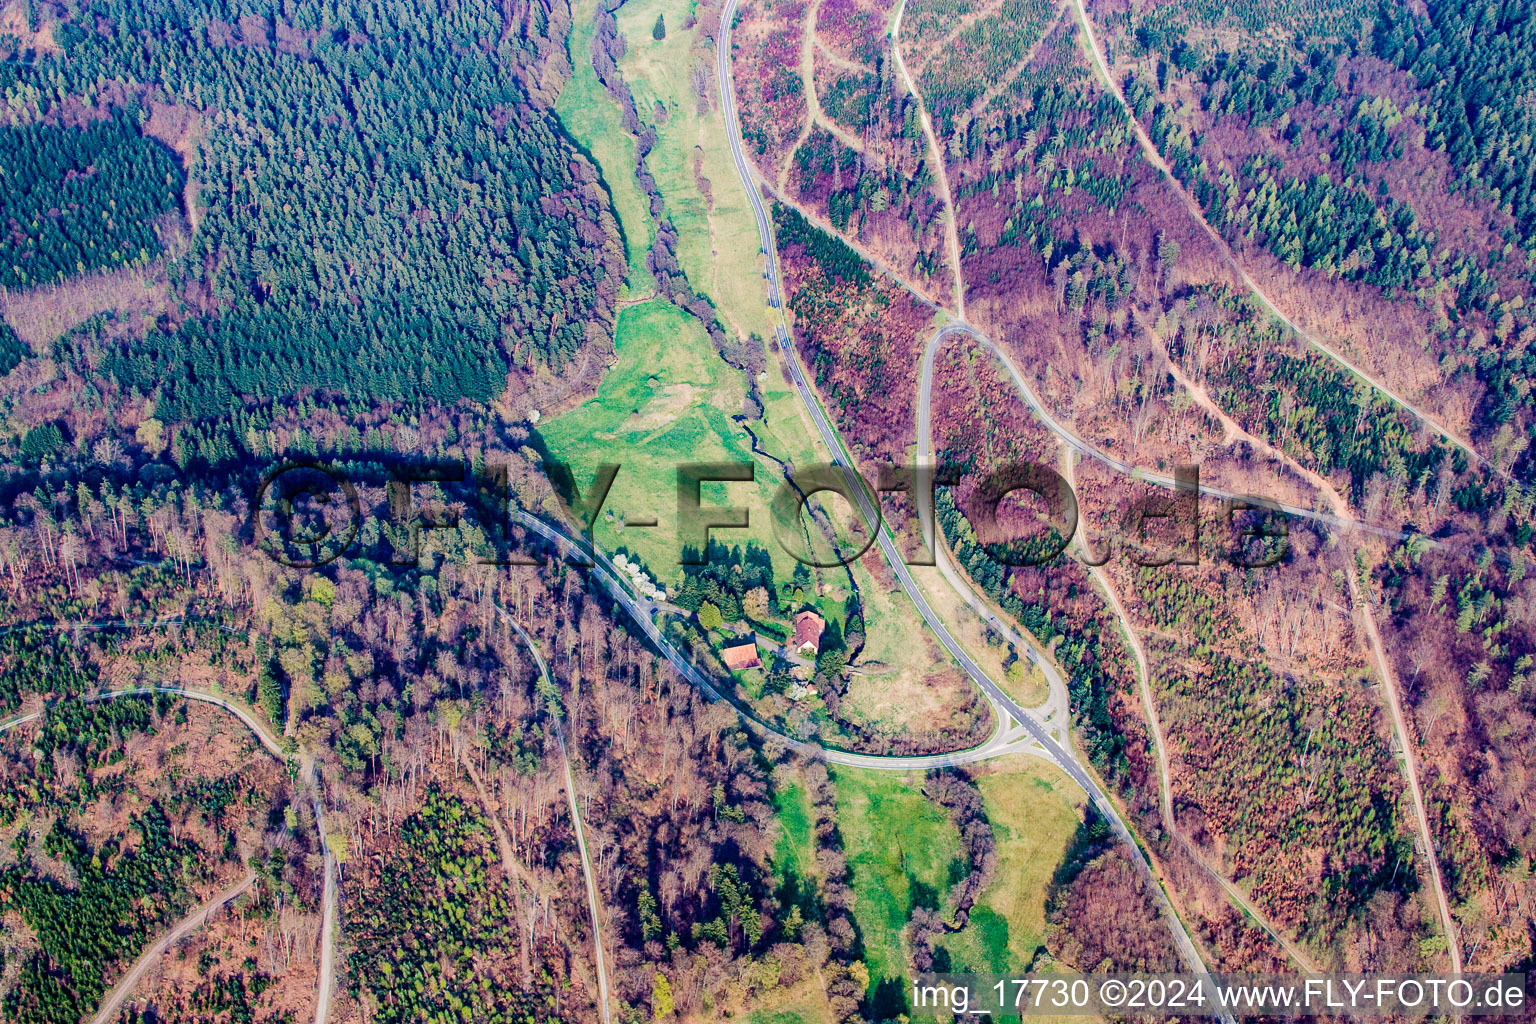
(903, 852)
(1034, 810)
(667, 400)
(795, 853)
(592, 118)
(718, 244)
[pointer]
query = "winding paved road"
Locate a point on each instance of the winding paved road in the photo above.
(1063, 756)
(1006, 739)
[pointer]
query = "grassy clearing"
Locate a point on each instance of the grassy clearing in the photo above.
(795, 870)
(718, 243)
(901, 849)
(1034, 809)
(721, 252)
(667, 400)
(592, 118)
(670, 398)
(903, 699)
(907, 682)
(806, 1003)
(796, 849)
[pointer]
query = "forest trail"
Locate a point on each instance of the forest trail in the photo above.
(586, 871)
(936, 154)
(1155, 158)
(1005, 81)
(837, 60)
(604, 1002)
(1342, 517)
(806, 62)
(514, 868)
(193, 921)
(273, 747)
(947, 40)
(509, 862)
(815, 219)
(1367, 618)
(328, 901)
(1160, 750)
(1073, 441)
(1364, 614)
(816, 117)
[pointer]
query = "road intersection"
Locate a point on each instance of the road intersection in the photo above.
(1058, 752)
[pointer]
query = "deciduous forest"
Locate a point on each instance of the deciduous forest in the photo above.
(1291, 243)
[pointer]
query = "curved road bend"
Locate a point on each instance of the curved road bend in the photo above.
(1064, 757)
(1005, 739)
(328, 898)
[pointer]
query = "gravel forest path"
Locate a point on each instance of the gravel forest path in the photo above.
(270, 743)
(1155, 158)
(186, 926)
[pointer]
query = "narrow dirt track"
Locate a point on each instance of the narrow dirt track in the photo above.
(936, 157)
(604, 1001)
(1155, 158)
(186, 926)
(268, 742)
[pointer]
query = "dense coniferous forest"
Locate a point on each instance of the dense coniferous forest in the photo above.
(383, 210)
(81, 929)
(1474, 58)
(77, 200)
(1391, 152)
(12, 349)
(436, 884)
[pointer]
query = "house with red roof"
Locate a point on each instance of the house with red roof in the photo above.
(741, 656)
(808, 630)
